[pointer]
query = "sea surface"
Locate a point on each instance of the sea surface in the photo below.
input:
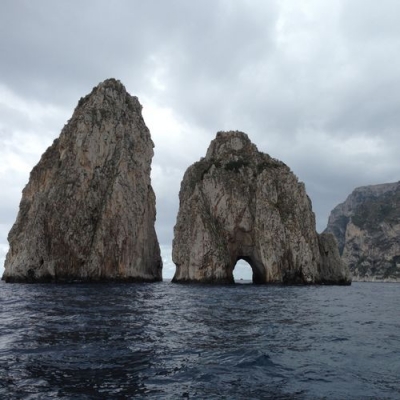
(174, 341)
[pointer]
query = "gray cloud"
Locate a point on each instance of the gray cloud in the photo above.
(314, 84)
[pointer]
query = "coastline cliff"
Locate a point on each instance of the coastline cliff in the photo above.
(367, 228)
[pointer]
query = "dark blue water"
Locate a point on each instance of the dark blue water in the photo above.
(169, 341)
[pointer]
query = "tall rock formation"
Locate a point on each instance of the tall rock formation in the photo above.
(238, 203)
(367, 228)
(88, 211)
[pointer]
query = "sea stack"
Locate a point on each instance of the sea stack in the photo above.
(367, 228)
(239, 203)
(88, 211)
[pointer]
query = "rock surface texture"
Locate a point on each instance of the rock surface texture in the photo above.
(367, 228)
(238, 203)
(88, 211)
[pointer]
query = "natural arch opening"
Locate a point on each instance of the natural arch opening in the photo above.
(245, 271)
(242, 272)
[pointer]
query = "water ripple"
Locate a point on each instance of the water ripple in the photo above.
(166, 341)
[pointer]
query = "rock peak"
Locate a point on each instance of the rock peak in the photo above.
(230, 143)
(225, 135)
(110, 93)
(112, 83)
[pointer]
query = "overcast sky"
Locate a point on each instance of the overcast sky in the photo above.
(313, 83)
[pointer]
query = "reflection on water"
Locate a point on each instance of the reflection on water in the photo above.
(195, 341)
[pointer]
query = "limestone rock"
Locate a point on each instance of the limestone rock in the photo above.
(238, 203)
(88, 211)
(367, 228)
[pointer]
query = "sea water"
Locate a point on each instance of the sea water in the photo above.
(171, 341)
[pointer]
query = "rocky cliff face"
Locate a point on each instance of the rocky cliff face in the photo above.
(238, 203)
(88, 211)
(367, 228)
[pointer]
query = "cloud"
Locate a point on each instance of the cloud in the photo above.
(313, 83)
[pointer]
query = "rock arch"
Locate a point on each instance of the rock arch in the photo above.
(240, 203)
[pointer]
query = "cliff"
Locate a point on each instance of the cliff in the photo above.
(367, 228)
(238, 203)
(88, 211)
